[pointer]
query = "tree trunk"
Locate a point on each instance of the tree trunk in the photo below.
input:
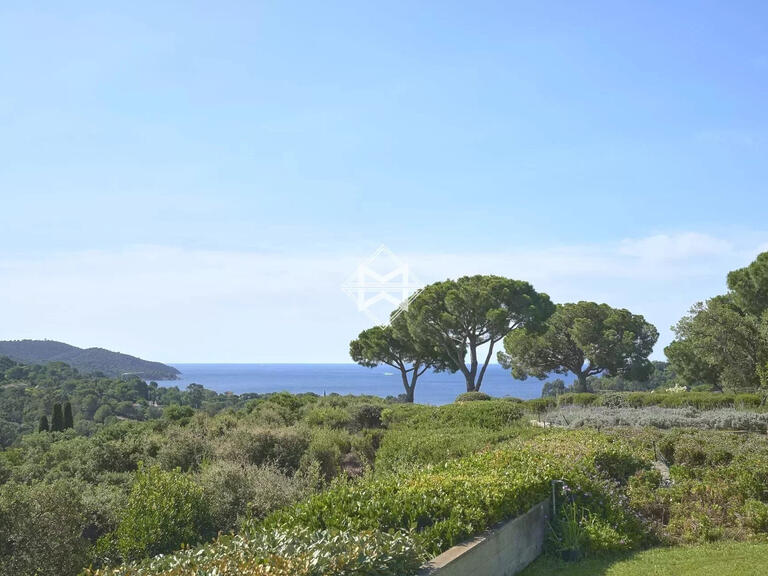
(484, 368)
(406, 385)
(472, 373)
(581, 384)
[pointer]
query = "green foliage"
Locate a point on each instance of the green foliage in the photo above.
(472, 396)
(184, 448)
(235, 492)
(395, 346)
(298, 552)
(718, 343)
(165, 509)
(57, 422)
(724, 341)
(367, 416)
(456, 317)
(567, 531)
(656, 417)
(68, 419)
(540, 405)
(41, 529)
(585, 339)
(717, 484)
(553, 388)
(577, 399)
(87, 360)
(491, 415)
(755, 513)
(283, 447)
(31, 390)
(326, 450)
(447, 502)
(329, 417)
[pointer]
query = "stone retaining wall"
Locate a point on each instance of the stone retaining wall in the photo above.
(503, 551)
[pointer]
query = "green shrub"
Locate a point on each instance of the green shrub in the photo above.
(367, 416)
(184, 448)
(283, 447)
(472, 396)
(540, 405)
(367, 444)
(453, 500)
(234, 491)
(272, 414)
(326, 450)
(618, 465)
(165, 509)
(755, 515)
(41, 529)
(328, 417)
(296, 553)
(491, 415)
(177, 413)
(747, 401)
(404, 448)
(577, 399)
(689, 452)
(612, 400)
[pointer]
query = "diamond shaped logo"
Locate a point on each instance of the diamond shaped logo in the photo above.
(382, 286)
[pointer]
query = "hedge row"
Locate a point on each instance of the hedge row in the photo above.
(698, 400)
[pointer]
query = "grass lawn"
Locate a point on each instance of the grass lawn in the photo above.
(722, 559)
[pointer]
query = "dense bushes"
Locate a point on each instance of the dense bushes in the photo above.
(236, 463)
(493, 415)
(296, 553)
(717, 487)
(455, 499)
(425, 478)
(41, 529)
(30, 391)
(428, 508)
(236, 491)
(165, 510)
(430, 435)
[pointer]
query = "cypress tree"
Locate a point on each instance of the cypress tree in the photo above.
(57, 422)
(43, 424)
(69, 421)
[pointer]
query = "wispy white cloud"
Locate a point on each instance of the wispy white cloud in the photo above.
(665, 247)
(195, 305)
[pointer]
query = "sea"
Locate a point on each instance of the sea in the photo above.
(431, 388)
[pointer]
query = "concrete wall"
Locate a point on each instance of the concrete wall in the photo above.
(503, 551)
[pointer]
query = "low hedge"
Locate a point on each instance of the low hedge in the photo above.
(472, 397)
(298, 553)
(489, 415)
(425, 509)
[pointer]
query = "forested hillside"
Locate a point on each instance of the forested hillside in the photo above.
(30, 391)
(85, 359)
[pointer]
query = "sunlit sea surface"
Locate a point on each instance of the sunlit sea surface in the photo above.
(431, 388)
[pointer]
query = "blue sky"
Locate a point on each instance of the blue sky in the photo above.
(192, 181)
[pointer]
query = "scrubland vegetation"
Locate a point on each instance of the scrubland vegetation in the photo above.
(131, 479)
(288, 484)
